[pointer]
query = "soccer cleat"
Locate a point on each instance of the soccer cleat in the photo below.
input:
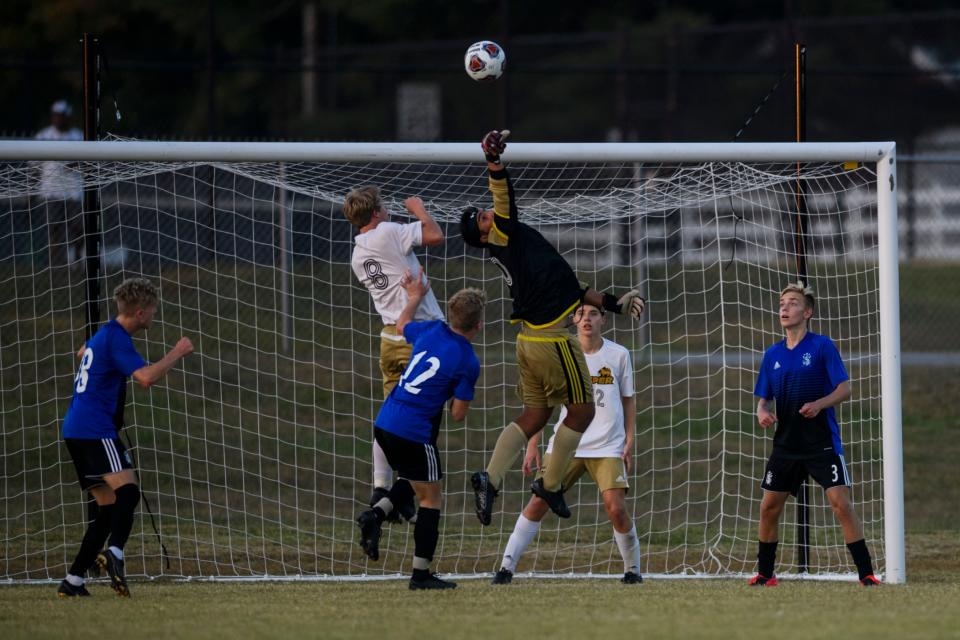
(554, 499)
(631, 578)
(870, 581)
(431, 582)
(761, 580)
(114, 568)
(369, 534)
(67, 590)
(484, 494)
(503, 576)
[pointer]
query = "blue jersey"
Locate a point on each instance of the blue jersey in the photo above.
(794, 377)
(442, 365)
(96, 410)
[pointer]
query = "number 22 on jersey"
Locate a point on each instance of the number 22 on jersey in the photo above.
(412, 386)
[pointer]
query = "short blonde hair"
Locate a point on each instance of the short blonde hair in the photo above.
(810, 301)
(360, 205)
(135, 293)
(465, 308)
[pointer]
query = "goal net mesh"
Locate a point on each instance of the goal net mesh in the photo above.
(255, 452)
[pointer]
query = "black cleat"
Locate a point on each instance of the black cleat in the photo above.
(369, 534)
(484, 494)
(554, 499)
(114, 568)
(67, 590)
(504, 576)
(631, 578)
(380, 493)
(430, 582)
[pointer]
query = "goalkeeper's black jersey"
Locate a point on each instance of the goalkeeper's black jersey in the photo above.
(543, 286)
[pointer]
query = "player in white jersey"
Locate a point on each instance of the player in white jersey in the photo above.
(605, 450)
(383, 253)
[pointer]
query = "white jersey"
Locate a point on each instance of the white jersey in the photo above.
(380, 258)
(611, 372)
(57, 180)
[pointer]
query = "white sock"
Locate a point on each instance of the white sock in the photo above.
(523, 533)
(385, 505)
(382, 471)
(117, 552)
(76, 581)
(629, 545)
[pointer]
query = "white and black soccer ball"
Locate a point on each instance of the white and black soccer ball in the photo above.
(485, 60)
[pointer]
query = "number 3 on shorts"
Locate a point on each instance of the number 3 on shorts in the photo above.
(833, 468)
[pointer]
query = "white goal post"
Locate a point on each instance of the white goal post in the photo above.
(255, 453)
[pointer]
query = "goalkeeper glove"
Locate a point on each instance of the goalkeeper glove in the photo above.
(493, 144)
(631, 302)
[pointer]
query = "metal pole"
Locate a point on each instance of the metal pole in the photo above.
(800, 231)
(90, 54)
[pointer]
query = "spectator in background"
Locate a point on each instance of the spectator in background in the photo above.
(61, 187)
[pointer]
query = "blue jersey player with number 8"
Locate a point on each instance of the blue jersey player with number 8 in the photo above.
(90, 431)
(805, 375)
(443, 365)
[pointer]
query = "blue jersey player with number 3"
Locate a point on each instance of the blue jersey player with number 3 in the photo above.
(91, 431)
(443, 365)
(806, 377)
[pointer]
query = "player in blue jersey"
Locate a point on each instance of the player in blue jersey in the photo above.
(91, 430)
(806, 377)
(442, 365)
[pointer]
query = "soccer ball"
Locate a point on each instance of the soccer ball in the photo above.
(485, 60)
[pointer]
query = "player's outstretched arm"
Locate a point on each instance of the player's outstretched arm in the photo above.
(416, 289)
(150, 374)
(631, 302)
(432, 233)
(493, 144)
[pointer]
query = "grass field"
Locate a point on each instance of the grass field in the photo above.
(924, 608)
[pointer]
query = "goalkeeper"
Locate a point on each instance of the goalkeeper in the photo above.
(553, 370)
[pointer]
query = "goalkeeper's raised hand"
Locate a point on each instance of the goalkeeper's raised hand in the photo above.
(631, 302)
(493, 144)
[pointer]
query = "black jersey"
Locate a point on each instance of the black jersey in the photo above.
(543, 286)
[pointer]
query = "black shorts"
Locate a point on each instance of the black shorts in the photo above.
(94, 459)
(415, 461)
(784, 473)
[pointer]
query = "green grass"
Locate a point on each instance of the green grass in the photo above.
(923, 608)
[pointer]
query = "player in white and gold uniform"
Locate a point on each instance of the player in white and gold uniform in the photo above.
(605, 450)
(383, 253)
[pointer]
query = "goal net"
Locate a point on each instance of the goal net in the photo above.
(255, 452)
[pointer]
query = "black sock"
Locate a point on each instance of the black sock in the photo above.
(766, 557)
(381, 515)
(426, 533)
(861, 557)
(93, 539)
(122, 522)
(421, 574)
(401, 495)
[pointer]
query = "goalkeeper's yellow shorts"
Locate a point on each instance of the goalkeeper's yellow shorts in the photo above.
(606, 473)
(394, 357)
(553, 370)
